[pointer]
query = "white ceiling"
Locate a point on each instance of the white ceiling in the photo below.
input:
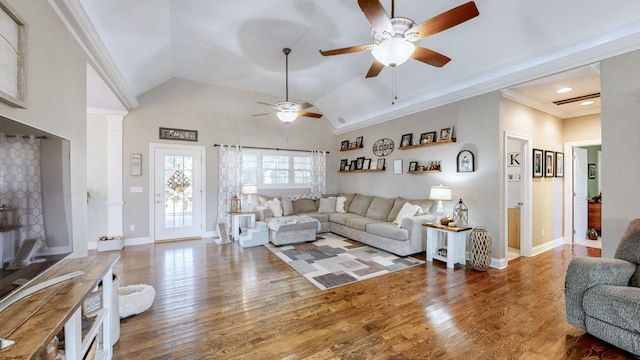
(239, 44)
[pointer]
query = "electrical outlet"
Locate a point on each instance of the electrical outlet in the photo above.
(132, 228)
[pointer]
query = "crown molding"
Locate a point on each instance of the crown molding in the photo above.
(76, 20)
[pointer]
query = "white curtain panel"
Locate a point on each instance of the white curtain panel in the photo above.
(318, 173)
(230, 174)
(20, 186)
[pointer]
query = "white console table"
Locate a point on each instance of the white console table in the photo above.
(454, 241)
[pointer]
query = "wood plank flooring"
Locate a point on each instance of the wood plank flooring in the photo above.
(227, 302)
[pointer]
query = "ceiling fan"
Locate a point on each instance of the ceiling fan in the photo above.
(394, 37)
(288, 111)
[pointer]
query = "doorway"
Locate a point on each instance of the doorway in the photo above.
(517, 195)
(178, 191)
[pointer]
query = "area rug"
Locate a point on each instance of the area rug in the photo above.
(333, 261)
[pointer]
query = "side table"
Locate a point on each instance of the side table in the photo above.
(453, 242)
(235, 222)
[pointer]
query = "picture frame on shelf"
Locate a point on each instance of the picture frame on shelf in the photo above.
(559, 164)
(420, 168)
(367, 164)
(406, 140)
(359, 142)
(343, 164)
(538, 163)
(344, 145)
(434, 166)
(428, 137)
(373, 165)
(352, 165)
(445, 133)
(380, 164)
(549, 165)
(591, 171)
(466, 161)
(352, 145)
(413, 166)
(397, 166)
(359, 163)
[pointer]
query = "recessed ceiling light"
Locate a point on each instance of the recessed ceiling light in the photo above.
(585, 103)
(564, 90)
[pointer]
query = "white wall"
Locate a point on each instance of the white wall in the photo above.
(97, 176)
(475, 122)
(219, 116)
(56, 97)
(620, 146)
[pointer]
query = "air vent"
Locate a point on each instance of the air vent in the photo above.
(576, 99)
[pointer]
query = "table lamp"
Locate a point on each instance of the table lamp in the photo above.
(249, 190)
(440, 193)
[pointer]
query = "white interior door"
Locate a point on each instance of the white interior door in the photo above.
(580, 193)
(177, 193)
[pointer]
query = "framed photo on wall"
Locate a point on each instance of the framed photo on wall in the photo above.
(445, 133)
(344, 144)
(466, 162)
(559, 164)
(343, 165)
(367, 164)
(413, 166)
(380, 164)
(406, 140)
(178, 134)
(359, 163)
(549, 164)
(538, 163)
(591, 171)
(428, 137)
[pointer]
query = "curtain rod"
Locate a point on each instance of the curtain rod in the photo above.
(25, 136)
(268, 148)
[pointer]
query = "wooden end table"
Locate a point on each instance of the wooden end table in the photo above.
(454, 242)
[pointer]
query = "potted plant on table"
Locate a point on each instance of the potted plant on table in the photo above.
(109, 243)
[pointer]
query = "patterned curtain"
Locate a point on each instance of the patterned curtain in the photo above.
(318, 173)
(20, 186)
(229, 176)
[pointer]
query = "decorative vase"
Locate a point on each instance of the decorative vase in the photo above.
(480, 248)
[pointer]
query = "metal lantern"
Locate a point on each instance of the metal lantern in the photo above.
(461, 214)
(7, 216)
(236, 205)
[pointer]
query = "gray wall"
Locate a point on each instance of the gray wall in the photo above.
(620, 135)
(476, 127)
(56, 96)
(219, 115)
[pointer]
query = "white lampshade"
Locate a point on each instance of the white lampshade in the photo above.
(393, 51)
(249, 189)
(440, 193)
(287, 116)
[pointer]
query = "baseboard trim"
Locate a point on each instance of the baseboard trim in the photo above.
(499, 263)
(138, 241)
(537, 250)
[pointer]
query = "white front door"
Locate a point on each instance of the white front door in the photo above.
(177, 192)
(580, 193)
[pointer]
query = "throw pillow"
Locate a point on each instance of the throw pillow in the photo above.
(274, 206)
(406, 211)
(340, 201)
(327, 205)
(303, 206)
(287, 206)
(263, 199)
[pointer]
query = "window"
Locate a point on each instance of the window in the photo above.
(276, 169)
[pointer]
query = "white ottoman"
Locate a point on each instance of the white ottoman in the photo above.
(292, 229)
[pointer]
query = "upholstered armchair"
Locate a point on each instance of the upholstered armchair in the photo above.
(602, 296)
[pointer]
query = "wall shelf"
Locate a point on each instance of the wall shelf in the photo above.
(367, 170)
(427, 144)
(353, 148)
(423, 171)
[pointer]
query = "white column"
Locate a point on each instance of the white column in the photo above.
(114, 174)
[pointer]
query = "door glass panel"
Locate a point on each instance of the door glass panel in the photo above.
(178, 191)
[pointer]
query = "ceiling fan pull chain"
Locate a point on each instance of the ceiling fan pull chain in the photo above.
(394, 86)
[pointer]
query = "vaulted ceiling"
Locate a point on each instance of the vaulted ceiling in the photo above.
(239, 44)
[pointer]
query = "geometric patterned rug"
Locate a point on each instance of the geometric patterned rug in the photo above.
(332, 261)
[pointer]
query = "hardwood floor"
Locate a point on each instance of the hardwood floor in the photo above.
(227, 302)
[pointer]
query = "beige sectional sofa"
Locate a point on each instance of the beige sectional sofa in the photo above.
(367, 219)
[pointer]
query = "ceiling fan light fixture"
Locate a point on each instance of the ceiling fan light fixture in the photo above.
(393, 51)
(287, 116)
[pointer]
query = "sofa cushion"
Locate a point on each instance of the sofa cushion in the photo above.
(360, 222)
(360, 204)
(320, 217)
(629, 249)
(347, 203)
(379, 208)
(425, 206)
(327, 205)
(304, 206)
(341, 218)
(614, 305)
(388, 230)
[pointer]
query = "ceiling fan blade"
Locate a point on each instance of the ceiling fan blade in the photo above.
(346, 50)
(430, 57)
(375, 69)
(309, 114)
(446, 20)
(271, 113)
(305, 105)
(264, 103)
(377, 16)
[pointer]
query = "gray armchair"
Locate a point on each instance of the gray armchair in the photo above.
(602, 296)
